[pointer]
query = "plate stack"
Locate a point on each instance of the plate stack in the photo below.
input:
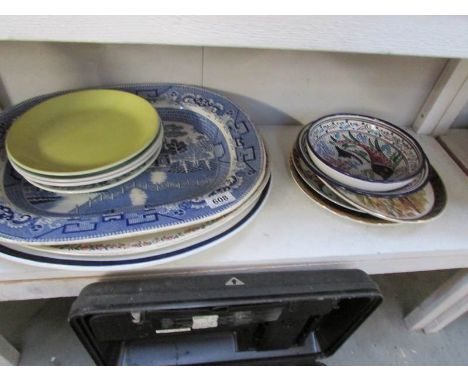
(92, 180)
(81, 142)
(366, 169)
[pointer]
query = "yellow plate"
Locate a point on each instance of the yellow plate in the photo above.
(82, 132)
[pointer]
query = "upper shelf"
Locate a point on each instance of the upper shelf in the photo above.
(434, 36)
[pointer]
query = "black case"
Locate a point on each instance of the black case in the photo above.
(269, 317)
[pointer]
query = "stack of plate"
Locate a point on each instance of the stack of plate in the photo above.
(85, 141)
(209, 180)
(366, 169)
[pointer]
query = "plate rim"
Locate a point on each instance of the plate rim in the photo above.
(305, 179)
(70, 190)
(335, 209)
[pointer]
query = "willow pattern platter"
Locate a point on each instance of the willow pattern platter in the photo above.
(143, 244)
(364, 152)
(135, 262)
(173, 241)
(212, 159)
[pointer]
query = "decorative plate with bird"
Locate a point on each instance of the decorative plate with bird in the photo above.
(416, 184)
(365, 148)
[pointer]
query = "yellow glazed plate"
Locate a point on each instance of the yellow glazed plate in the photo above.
(82, 132)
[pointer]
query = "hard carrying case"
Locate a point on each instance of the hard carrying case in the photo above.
(294, 317)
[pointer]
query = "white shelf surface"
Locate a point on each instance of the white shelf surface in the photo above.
(436, 36)
(293, 231)
(456, 143)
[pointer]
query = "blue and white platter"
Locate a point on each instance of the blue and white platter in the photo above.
(31, 257)
(149, 244)
(212, 159)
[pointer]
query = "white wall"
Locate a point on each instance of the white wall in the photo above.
(273, 86)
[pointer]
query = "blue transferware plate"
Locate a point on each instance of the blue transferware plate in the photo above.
(211, 160)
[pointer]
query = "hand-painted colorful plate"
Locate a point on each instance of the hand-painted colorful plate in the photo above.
(82, 132)
(418, 182)
(211, 161)
(364, 152)
(334, 208)
(422, 206)
(134, 262)
(314, 182)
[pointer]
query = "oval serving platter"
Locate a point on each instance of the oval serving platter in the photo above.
(136, 262)
(119, 248)
(212, 159)
(140, 249)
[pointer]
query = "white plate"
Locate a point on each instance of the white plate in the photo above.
(100, 186)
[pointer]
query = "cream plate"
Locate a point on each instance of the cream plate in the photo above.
(100, 186)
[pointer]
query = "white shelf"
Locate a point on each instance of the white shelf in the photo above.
(455, 141)
(436, 36)
(293, 231)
